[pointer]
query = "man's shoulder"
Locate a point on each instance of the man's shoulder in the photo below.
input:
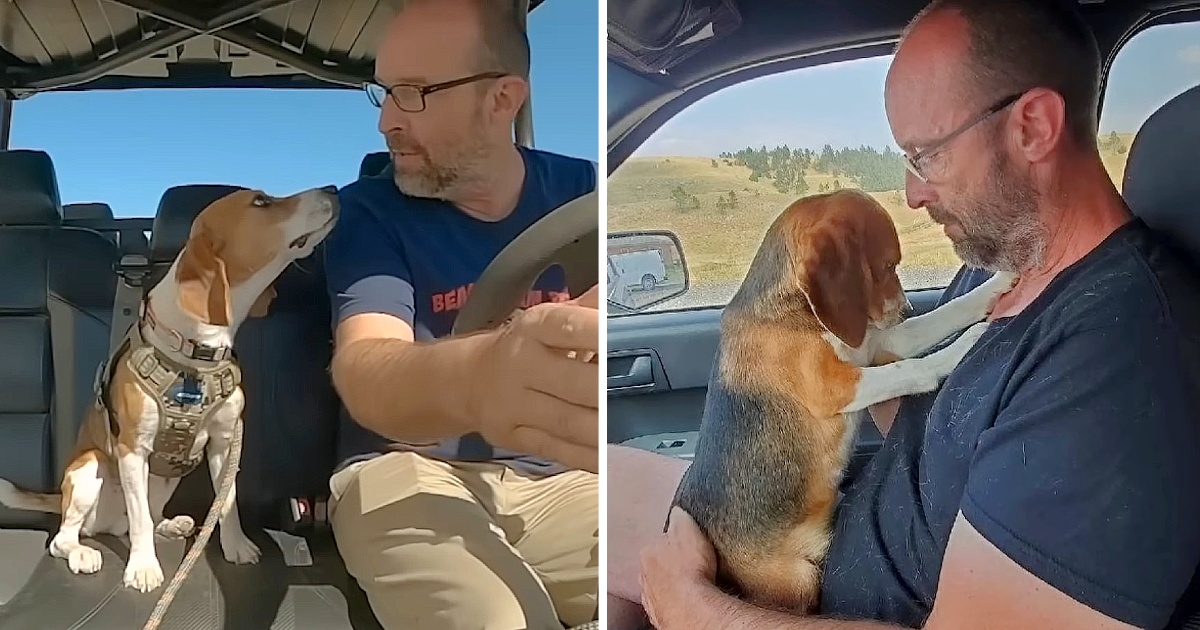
(1135, 277)
(368, 190)
(560, 174)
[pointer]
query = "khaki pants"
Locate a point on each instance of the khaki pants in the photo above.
(475, 546)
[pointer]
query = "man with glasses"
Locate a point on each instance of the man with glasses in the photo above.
(498, 529)
(1052, 482)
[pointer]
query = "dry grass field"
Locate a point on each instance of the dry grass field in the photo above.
(719, 241)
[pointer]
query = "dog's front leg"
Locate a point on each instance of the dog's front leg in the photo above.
(912, 376)
(142, 571)
(237, 548)
(917, 335)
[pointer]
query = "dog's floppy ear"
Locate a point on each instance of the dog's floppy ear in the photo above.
(202, 280)
(833, 278)
(262, 305)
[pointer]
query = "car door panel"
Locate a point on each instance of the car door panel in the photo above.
(658, 370)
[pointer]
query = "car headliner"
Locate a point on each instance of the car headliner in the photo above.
(778, 36)
(116, 44)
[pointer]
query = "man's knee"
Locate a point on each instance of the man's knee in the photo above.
(432, 561)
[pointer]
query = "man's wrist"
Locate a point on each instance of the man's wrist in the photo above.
(469, 357)
(712, 606)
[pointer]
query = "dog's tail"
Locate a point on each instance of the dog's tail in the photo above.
(14, 497)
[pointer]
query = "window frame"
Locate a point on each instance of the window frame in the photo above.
(623, 146)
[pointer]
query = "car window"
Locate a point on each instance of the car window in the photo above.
(126, 147)
(720, 171)
(1153, 67)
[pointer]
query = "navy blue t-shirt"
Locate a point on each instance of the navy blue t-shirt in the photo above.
(1069, 437)
(417, 259)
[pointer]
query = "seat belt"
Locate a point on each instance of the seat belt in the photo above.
(132, 271)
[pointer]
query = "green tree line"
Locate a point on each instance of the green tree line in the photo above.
(873, 170)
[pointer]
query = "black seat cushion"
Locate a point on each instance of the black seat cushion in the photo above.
(373, 164)
(177, 209)
(86, 212)
(28, 189)
(57, 284)
(1162, 188)
(1161, 184)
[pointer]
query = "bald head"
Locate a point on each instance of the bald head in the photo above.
(449, 115)
(1001, 48)
(480, 35)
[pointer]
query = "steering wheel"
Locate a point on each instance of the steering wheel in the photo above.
(569, 236)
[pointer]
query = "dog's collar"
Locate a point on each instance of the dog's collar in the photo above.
(189, 348)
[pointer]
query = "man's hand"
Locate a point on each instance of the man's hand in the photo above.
(535, 383)
(675, 570)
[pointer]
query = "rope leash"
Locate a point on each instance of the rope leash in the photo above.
(228, 474)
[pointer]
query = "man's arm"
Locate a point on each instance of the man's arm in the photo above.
(398, 388)
(979, 588)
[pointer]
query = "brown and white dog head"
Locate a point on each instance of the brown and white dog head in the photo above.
(833, 255)
(239, 245)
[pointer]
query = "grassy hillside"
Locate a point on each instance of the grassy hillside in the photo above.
(691, 197)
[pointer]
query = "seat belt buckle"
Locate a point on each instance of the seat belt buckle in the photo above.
(133, 269)
(305, 514)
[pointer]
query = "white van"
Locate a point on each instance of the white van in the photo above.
(644, 267)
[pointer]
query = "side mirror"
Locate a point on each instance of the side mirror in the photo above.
(645, 268)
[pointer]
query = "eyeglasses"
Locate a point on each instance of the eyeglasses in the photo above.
(411, 98)
(912, 162)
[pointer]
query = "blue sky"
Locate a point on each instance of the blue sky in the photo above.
(842, 104)
(126, 147)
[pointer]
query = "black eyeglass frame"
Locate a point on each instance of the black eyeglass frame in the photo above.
(911, 162)
(423, 90)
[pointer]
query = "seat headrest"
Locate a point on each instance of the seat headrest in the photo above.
(373, 164)
(87, 212)
(177, 209)
(28, 189)
(1161, 185)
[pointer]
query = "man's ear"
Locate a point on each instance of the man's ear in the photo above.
(262, 305)
(202, 280)
(508, 95)
(833, 278)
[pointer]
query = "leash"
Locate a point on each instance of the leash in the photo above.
(210, 522)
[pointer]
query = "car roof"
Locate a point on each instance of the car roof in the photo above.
(116, 44)
(775, 36)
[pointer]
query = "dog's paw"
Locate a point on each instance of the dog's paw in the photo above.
(995, 287)
(84, 559)
(959, 348)
(239, 549)
(143, 573)
(944, 361)
(176, 528)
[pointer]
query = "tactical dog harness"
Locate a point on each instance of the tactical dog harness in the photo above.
(186, 396)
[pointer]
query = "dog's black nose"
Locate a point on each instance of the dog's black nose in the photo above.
(330, 189)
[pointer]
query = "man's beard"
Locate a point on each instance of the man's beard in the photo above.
(455, 169)
(1000, 229)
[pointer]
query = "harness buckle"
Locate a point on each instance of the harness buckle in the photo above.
(189, 392)
(202, 352)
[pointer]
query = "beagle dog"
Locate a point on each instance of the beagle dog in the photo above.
(816, 331)
(171, 393)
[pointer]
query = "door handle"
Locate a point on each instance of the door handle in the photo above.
(639, 374)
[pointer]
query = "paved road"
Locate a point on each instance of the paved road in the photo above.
(718, 293)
